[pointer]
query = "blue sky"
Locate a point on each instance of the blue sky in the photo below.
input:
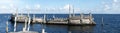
(60, 6)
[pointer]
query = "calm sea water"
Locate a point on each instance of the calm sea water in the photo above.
(111, 24)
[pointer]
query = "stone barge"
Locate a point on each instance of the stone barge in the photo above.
(81, 20)
(19, 18)
(62, 21)
(38, 20)
(73, 20)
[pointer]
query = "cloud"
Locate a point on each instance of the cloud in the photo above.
(115, 0)
(64, 8)
(27, 6)
(6, 1)
(37, 6)
(8, 6)
(12, 5)
(67, 7)
(111, 6)
(106, 8)
(3, 7)
(116, 5)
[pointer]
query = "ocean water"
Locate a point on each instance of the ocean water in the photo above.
(111, 24)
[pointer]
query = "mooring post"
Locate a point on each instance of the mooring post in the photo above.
(15, 23)
(33, 20)
(43, 30)
(29, 21)
(44, 18)
(54, 17)
(7, 27)
(102, 25)
(81, 15)
(102, 21)
(24, 29)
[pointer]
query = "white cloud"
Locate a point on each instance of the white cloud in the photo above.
(111, 7)
(115, 0)
(67, 7)
(53, 9)
(27, 7)
(37, 6)
(6, 1)
(116, 5)
(3, 7)
(7, 6)
(12, 5)
(106, 8)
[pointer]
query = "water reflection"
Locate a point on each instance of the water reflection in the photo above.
(57, 28)
(80, 29)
